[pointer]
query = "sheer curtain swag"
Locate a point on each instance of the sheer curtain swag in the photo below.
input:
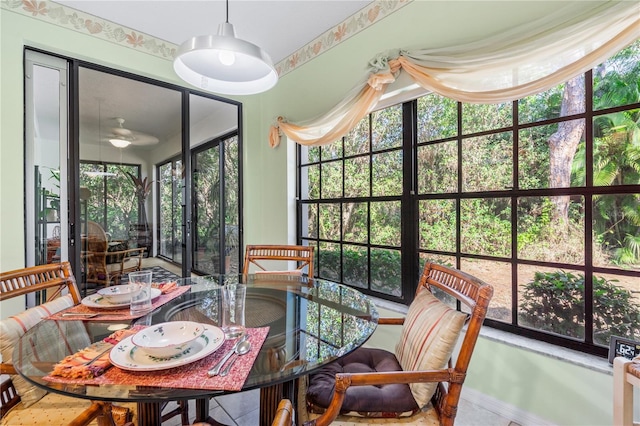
(520, 62)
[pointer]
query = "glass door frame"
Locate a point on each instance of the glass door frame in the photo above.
(175, 188)
(219, 142)
(72, 139)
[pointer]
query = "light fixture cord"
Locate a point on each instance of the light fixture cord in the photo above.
(227, 11)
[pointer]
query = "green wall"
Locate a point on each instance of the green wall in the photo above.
(548, 388)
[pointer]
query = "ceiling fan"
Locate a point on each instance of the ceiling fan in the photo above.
(122, 137)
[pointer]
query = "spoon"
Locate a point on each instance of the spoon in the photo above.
(216, 368)
(243, 348)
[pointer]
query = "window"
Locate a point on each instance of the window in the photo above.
(111, 200)
(539, 197)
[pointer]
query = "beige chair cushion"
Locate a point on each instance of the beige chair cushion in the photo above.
(53, 409)
(429, 334)
(56, 410)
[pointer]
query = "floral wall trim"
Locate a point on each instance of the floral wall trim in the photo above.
(73, 19)
(94, 26)
(359, 21)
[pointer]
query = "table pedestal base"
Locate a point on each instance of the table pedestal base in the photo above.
(149, 413)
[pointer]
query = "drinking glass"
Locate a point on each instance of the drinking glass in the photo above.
(233, 301)
(141, 298)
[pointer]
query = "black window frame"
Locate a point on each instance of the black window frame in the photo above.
(410, 204)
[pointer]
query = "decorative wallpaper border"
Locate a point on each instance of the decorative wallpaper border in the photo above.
(357, 22)
(72, 19)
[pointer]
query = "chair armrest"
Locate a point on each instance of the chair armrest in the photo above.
(7, 369)
(132, 252)
(284, 414)
(390, 321)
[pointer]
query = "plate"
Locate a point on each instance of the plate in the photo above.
(128, 356)
(97, 301)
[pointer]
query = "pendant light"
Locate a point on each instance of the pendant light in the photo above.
(225, 64)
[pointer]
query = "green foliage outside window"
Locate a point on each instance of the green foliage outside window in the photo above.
(554, 302)
(496, 178)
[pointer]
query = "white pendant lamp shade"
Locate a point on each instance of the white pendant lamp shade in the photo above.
(225, 64)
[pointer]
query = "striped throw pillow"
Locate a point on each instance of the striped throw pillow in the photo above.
(12, 328)
(429, 334)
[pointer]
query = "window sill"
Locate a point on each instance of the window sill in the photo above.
(580, 359)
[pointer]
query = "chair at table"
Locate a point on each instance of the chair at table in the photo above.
(23, 402)
(258, 255)
(626, 375)
(107, 261)
(372, 383)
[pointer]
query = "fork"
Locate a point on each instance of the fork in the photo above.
(89, 315)
(95, 358)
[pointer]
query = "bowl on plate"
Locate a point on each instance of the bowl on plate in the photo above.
(167, 339)
(119, 294)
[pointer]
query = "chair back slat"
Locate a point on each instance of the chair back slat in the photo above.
(302, 255)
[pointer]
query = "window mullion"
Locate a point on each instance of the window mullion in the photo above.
(409, 204)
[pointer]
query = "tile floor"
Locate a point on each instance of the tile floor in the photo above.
(242, 410)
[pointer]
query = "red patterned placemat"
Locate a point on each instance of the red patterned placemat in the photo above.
(115, 314)
(190, 376)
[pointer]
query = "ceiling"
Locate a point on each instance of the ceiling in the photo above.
(279, 27)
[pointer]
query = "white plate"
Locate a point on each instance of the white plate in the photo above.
(128, 356)
(97, 301)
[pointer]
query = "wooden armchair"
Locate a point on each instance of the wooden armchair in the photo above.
(302, 255)
(373, 383)
(626, 376)
(22, 401)
(106, 262)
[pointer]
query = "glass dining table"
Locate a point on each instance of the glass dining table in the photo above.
(311, 322)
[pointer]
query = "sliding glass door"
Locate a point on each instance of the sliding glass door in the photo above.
(123, 168)
(215, 206)
(170, 190)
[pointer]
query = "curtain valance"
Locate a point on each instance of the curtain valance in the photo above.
(523, 61)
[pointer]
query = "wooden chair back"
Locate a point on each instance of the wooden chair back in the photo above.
(302, 255)
(52, 279)
(475, 295)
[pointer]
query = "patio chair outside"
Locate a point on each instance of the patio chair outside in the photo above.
(107, 261)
